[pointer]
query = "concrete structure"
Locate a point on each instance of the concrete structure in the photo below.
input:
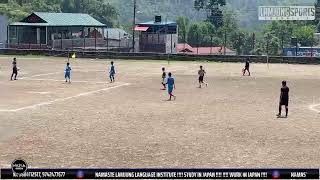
(302, 51)
(158, 36)
(56, 31)
(3, 31)
(117, 39)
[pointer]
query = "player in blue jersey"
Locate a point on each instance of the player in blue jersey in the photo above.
(112, 72)
(67, 74)
(171, 85)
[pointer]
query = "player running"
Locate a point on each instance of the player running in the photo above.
(112, 72)
(14, 69)
(67, 74)
(247, 68)
(201, 74)
(284, 98)
(164, 76)
(171, 85)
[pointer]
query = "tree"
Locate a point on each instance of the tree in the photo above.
(305, 35)
(194, 34)
(213, 9)
(202, 34)
(238, 40)
(318, 27)
(68, 6)
(183, 24)
(77, 5)
(271, 44)
(99, 9)
(230, 31)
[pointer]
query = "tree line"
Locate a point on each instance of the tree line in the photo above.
(99, 9)
(221, 28)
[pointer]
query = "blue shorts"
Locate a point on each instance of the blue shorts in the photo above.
(170, 89)
(67, 75)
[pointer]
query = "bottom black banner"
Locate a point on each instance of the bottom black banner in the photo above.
(161, 174)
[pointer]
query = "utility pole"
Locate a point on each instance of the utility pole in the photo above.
(134, 24)
(268, 38)
(225, 41)
(282, 43)
(253, 42)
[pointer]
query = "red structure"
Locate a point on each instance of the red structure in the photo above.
(187, 49)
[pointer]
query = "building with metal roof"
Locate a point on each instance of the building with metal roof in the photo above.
(158, 36)
(56, 31)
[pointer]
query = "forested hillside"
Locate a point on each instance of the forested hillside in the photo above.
(100, 9)
(246, 9)
(113, 12)
(199, 22)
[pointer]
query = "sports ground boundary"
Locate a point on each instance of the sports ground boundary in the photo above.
(159, 56)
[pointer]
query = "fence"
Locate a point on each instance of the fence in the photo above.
(157, 56)
(227, 44)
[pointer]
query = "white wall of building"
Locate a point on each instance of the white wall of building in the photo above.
(3, 28)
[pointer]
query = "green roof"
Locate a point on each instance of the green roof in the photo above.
(60, 19)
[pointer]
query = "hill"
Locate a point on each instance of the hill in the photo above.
(247, 10)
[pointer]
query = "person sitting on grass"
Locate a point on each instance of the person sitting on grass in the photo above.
(171, 85)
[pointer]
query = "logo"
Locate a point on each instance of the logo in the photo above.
(80, 174)
(19, 166)
(275, 175)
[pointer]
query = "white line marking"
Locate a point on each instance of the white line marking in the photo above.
(37, 75)
(62, 99)
(95, 82)
(313, 108)
(5, 165)
(40, 92)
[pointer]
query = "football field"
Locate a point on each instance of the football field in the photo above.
(92, 123)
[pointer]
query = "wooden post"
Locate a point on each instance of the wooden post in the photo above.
(8, 37)
(71, 39)
(107, 40)
(225, 42)
(171, 43)
(84, 38)
(211, 44)
(119, 40)
(134, 24)
(17, 32)
(95, 39)
(61, 41)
